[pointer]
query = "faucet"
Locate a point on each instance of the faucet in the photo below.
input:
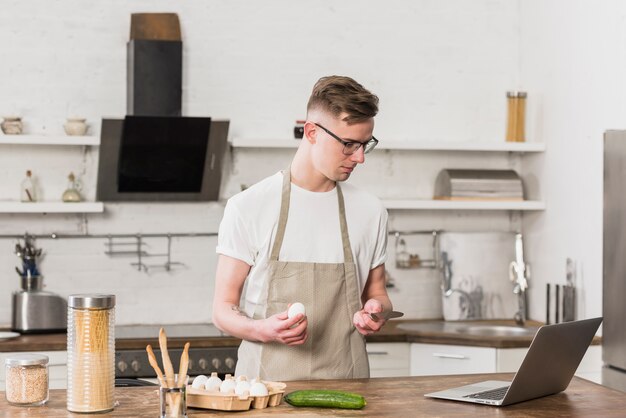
(519, 274)
(469, 302)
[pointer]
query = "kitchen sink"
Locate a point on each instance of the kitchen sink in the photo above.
(498, 330)
(469, 328)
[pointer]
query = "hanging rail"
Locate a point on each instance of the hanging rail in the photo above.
(54, 235)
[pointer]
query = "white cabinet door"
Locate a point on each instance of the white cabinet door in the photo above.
(439, 359)
(57, 367)
(388, 359)
(508, 360)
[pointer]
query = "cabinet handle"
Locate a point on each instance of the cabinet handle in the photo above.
(377, 353)
(456, 356)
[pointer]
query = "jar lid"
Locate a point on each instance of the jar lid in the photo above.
(520, 94)
(93, 301)
(26, 360)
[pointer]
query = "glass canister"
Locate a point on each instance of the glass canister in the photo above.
(516, 104)
(90, 353)
(27, 379)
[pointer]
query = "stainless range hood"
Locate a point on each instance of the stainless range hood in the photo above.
(154, 154)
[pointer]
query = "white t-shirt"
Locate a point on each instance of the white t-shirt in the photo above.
(313, 233)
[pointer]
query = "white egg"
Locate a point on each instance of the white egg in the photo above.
(228, 386)
(258, 389)
(213, 383)
(199, 381)
(295, 309)
(242, 387)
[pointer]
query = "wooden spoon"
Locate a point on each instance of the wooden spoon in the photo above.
(153, 362)
(184, 365)
(167, 363)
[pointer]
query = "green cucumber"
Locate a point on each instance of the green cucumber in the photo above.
(325, 399)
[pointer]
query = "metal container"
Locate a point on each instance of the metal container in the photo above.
(90, 353)
(452, 184)
(27, 379)
(35, 310)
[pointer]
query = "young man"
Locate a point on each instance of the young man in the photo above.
(300, 236)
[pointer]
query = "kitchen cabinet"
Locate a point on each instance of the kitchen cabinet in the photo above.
(57, 367)
(388, 359)
(442, 359)
(55, 141)
(508, 148)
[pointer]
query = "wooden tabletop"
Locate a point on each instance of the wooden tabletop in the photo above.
(386, 397)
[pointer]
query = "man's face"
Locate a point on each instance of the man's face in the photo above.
(328, 153)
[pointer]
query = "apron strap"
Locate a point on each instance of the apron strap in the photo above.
(284, 213)
(345, 238)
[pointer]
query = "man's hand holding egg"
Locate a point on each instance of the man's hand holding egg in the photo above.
(288, 327)
(295, 309)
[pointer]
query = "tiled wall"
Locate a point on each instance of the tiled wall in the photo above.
(440, 69)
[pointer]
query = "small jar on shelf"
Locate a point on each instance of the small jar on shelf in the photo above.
(298, 130)
(516, 116)
(11, 125)
(28, 189)
(72, 194)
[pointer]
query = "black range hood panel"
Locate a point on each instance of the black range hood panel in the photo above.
(161, 159)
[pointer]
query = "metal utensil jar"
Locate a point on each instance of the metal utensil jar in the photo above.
(90, 353)
(516, 103)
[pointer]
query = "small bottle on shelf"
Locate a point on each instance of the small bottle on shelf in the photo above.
(71, 194)
(516, 119)
(28, 190)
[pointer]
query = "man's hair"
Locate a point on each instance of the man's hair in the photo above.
(338, 94)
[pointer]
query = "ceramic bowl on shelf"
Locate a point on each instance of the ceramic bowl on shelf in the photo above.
(75, 126)
(11, 125)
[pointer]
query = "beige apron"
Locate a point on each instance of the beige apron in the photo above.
(330, 293)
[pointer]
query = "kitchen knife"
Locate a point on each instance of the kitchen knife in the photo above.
(377, 316)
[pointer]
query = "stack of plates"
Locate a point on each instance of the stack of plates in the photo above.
(452, 184)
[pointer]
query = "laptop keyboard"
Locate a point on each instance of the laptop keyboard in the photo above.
(493, 394)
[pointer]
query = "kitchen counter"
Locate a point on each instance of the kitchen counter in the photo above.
(388, 397)
(433, 332)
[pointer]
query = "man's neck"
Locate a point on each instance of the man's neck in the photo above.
(304, 175)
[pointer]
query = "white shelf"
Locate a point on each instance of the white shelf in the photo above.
(407, 145)
(463, 204)
(49, 140)
(51, 207)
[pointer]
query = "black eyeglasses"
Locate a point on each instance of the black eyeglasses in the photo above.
(350, 147)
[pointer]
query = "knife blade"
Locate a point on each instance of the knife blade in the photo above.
(377, 316)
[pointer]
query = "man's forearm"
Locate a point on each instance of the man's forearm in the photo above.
(231, 320)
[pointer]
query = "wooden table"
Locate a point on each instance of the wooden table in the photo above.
(386, 397)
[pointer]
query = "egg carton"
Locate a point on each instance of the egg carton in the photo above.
(202, 398)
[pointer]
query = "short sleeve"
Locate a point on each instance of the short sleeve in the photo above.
(233, 239)
(380, 250)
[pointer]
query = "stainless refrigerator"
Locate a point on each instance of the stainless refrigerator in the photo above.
(614, 261)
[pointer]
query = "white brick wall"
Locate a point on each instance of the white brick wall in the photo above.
(440, 69)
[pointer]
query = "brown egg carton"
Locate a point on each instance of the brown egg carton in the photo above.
(201, 398)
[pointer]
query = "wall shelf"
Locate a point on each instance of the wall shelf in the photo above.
(424, 204)
(51, 207)
(407, 145)
(49, 140)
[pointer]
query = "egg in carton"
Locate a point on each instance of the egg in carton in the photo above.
(231, 395)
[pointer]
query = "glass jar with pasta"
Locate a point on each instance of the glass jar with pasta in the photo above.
(90, 353)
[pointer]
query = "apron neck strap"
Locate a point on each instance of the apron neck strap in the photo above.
(284, 214)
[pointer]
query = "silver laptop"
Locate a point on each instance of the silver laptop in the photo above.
(549, 365)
